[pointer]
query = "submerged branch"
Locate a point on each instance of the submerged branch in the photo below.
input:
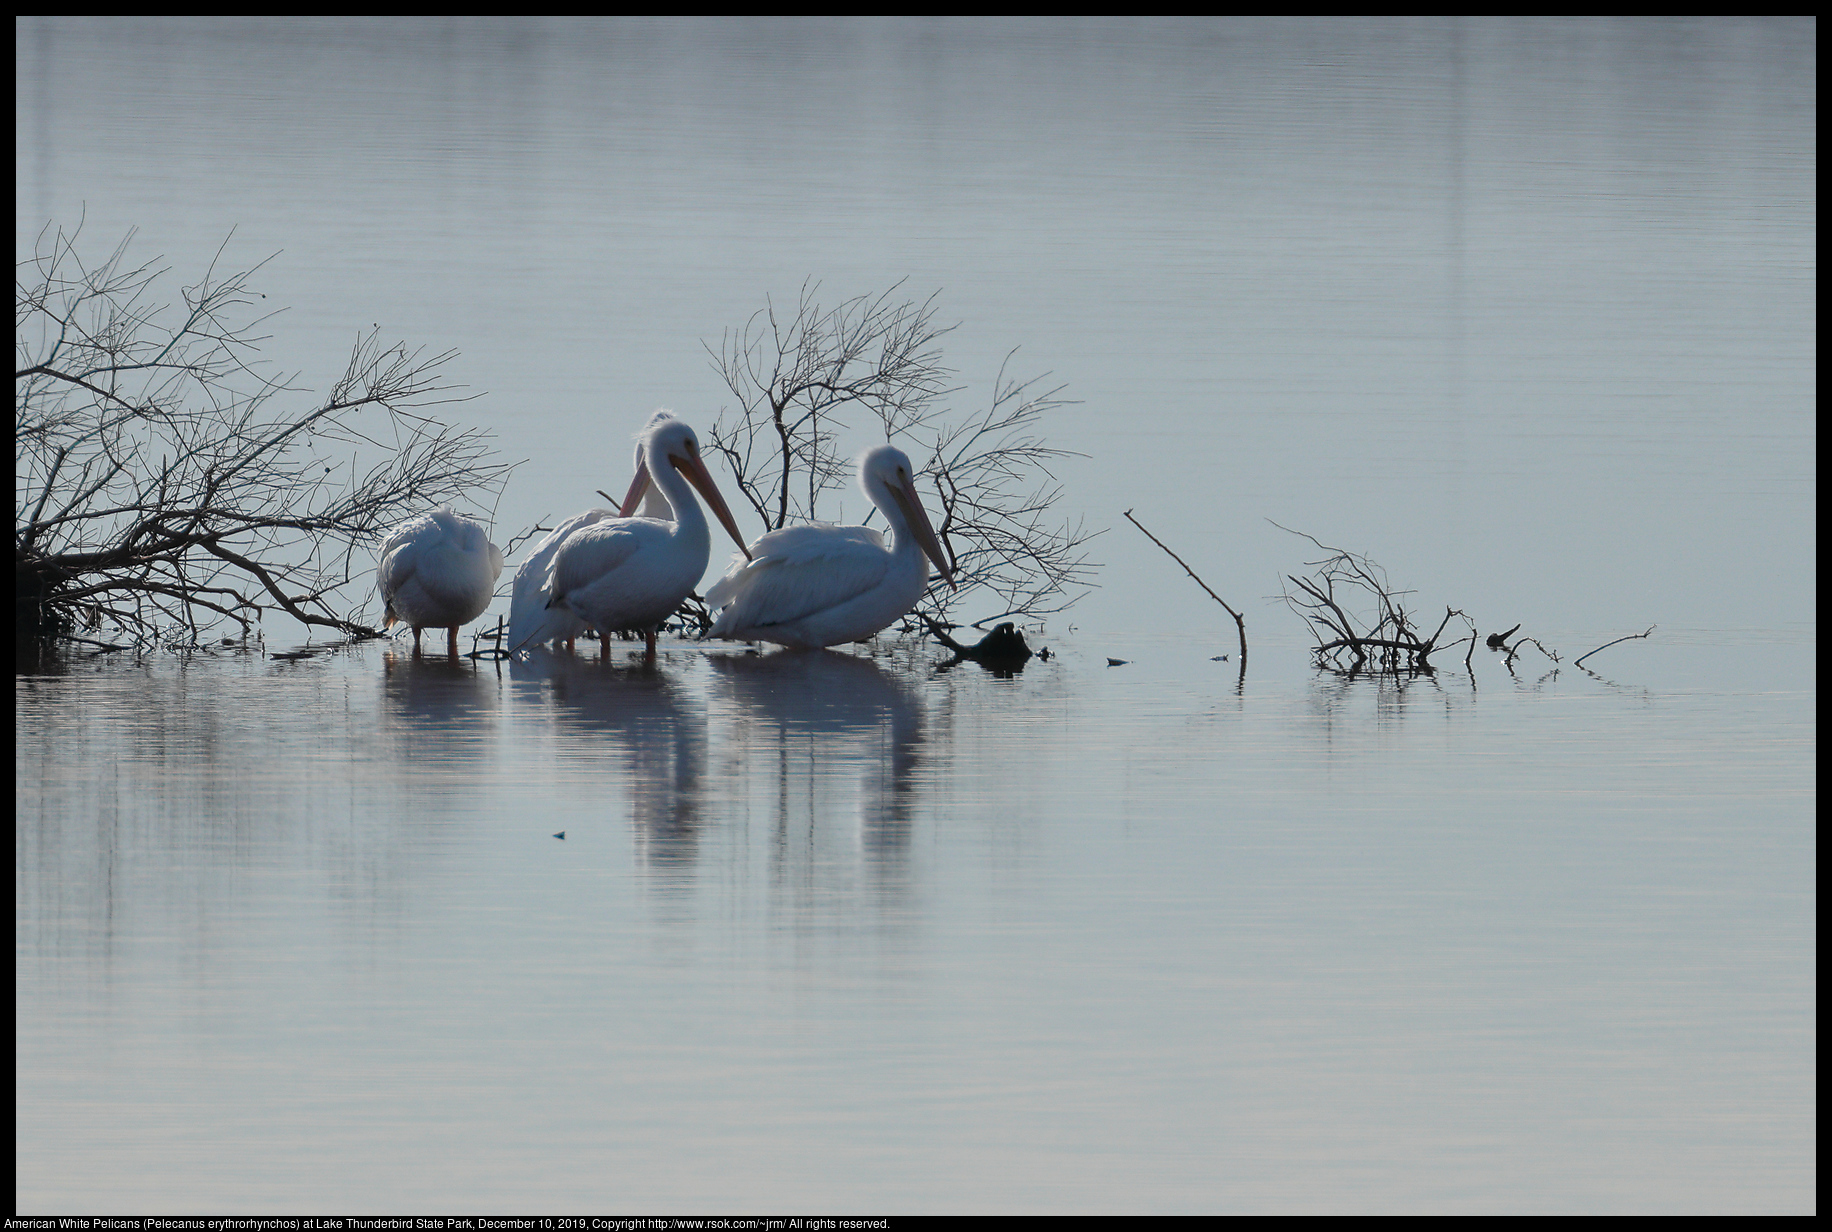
(1387, 638)
(1239, 620)
(1579, 662)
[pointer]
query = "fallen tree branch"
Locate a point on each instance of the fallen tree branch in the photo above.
(1606, 645)
(1388, 637)
(1240, 622)
(155, 465)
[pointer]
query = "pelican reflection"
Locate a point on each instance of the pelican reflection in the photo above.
(819, 716)
(440, 708)
(623, 724)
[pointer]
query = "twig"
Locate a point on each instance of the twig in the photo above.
(1517, 647)
(1239, 622)
(939, 632)
(1606, 645)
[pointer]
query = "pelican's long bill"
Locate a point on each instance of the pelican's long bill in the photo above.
(639, 488)
(903, 491)
(699, 477)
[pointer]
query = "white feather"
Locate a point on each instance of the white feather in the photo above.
(610, 573)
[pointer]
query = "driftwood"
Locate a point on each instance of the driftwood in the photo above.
(1388, 641)
(1579, 662)
(1359, 619)
(1002, 652)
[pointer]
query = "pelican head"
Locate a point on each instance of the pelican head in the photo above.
(889, 482)
(667, 441)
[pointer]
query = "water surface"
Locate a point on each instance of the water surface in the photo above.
(839, 931)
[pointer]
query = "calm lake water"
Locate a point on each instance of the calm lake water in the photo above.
(1524, 310)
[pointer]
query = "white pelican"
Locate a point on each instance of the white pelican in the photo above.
(632, 573)
(813, 586)
(438, 571)
(531, 621)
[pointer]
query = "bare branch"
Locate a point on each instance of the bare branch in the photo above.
(154, 463)
(800, 377)
(1579, 662)
(1523, 643)
(1240, 622)
(1384, 635)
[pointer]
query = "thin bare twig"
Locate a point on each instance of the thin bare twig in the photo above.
(1517, 647)
(1579, 662)
(1239, 621)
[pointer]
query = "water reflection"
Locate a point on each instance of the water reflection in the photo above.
(436, 708)
(634, 718)
(807, 721)
(240, 888)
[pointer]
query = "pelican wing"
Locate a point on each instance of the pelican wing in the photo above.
(402, 554)
(596, 550)
(795, 572)
(408, 532)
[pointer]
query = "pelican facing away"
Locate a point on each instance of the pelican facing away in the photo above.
(632, 573)
(531, 621)
(811, 586)
(437, 571)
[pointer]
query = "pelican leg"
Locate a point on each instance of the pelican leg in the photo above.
(416, 641)
(648, 647)
(451, 641)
